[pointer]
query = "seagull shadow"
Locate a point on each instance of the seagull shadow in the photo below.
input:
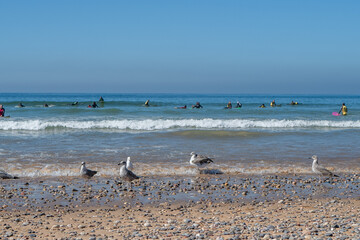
(210, 171)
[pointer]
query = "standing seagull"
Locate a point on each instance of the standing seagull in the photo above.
(125, 173)
(86, 172)
(198, 160)
(4, 175)
(316, 168)
(129, 165)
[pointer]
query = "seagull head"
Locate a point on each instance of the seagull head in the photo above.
(192, 154)
(314, 157)
(128, 159)
(83, 163)
(122, 163)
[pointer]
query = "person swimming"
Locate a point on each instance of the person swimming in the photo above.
(238, 104)
(101, 99)
(2, 111)
(262, 106)
(184, 107)
(94, 105)
(21, 105)
(197, 105)
(343, 110)
(273, 104)
(46, 105)
(147, 103)
(294, 103)
(74, 103)
(229, 105)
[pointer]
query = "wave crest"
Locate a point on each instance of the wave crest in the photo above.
(166, 124)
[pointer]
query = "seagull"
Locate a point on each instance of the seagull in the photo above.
(125, 173)
(198, 160)
(316, 168)
(129, 165)
(86, 172)
(4, 175)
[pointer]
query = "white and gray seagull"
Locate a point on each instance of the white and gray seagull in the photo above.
(199, 161)
(126, 174)
(4, 175)
(86, 172)
(129, 165)
(316, 168)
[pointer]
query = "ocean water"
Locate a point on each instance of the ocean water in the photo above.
(37, 141)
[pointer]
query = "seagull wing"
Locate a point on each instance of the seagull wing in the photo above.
(132, 175)
(202, 160)
(90, 173)
(325, 172)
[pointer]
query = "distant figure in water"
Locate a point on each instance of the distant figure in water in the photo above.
(46, 105)
(262, 106)
(343, 110)
(101, 99)
(238, 104)
(184, 107)
(147, 103)
(74, 103)
(293, 103)
(273, 104)
(229, 105)
(197, 105)
(2, 111)
(94, 105)
(21, 105)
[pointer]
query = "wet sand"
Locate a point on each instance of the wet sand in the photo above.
(188, 207)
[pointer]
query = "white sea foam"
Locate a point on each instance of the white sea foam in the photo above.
(108, 170)
(165, 124)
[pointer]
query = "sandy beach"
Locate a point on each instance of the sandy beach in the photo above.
(203, 207)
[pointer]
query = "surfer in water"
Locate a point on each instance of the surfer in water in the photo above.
(229, 105)
(197, 105)
(343, 110)
(147, 103)
(262, 106)
(238, 104)
(273, 104)
(2, 111)
(184, 107)
(74, 103)
(20, 105)
(94, 105)
(101, 99)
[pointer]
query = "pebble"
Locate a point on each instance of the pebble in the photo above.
(267, 207)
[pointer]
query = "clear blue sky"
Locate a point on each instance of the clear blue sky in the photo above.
(180, 46)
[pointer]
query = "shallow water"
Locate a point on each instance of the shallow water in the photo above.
(75, 191)
(38, 141)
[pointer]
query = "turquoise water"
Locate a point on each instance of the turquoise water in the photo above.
(54, 140)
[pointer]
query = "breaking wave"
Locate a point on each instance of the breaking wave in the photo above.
(167, 124)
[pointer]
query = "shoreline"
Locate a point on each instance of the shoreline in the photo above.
(181, 207)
